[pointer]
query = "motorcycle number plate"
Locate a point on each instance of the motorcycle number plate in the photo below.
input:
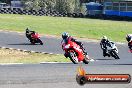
(67, 46)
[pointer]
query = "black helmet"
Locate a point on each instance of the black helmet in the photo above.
(65, 35)
(27, 29)
(128, 37)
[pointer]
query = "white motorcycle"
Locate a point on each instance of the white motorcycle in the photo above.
(113, 51)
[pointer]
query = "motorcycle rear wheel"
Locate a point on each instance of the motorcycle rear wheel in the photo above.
(32, 42)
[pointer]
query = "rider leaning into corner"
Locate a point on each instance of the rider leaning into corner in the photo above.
(104, 43)
(29, 33)
(66, 37)
(129, 40)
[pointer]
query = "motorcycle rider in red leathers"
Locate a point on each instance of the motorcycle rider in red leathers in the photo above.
(66, 38)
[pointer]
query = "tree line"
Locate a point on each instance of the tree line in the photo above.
(69, 6)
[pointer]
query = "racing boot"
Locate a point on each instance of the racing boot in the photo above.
(106, 54)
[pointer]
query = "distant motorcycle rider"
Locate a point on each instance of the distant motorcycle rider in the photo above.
(129, 40)
(66, 38)
(104, 43)
(29, 33)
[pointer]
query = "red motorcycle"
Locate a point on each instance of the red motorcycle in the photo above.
(74, 52)
(35, 38)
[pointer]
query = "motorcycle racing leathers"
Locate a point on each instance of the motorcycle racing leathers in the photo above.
(104, 44)
(29, 33)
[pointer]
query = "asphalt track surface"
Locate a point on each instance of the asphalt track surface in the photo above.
(59, 75)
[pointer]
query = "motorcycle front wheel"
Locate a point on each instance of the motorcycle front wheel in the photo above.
(39, 41)
(115, 55)
(73, 57)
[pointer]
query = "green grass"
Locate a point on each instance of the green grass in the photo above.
(14, 56)
(78, 27)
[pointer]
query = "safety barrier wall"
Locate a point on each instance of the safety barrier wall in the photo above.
(41, 12)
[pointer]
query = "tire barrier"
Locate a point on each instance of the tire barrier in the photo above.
(41, 12)
(44, 12)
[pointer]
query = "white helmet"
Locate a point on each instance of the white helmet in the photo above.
(105, 38)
